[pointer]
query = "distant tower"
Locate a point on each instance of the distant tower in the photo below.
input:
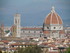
(17, 24)
(53, 24)
(13, 30)
(2, 30)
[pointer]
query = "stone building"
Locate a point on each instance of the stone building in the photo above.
(52, 27)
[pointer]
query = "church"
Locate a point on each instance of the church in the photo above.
(52, 27)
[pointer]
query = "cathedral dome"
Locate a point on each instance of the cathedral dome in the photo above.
(53, 18)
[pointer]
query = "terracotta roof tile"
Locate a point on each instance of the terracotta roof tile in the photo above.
(31, 28)
(61, 32)
(46, 32)
(5, 41)
(53, 18)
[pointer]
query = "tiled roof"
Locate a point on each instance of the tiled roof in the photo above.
(53, 52)
(61, 32)
(46, 32)
(18, 44)
(53, 18)
(5, 41)
(32, 28)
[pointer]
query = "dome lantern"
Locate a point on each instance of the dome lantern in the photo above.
(53, 9)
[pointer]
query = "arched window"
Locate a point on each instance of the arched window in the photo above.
(47, 27)
(54, 27)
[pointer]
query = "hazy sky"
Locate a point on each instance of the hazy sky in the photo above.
(33, 12)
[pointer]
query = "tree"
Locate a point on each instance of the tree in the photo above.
(68, 50)
(19, 50)
(0, 51)
(15, 51)
(29, 49)
(7, 31)
(5, 52)
(32, 49)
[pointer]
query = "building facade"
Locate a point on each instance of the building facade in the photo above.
(52, 27)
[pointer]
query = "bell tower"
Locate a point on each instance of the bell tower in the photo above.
(17, 24)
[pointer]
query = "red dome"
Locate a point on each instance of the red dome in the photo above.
(53, 18)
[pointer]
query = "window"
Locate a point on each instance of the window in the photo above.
(15, 21)
(54, 27)
(59, 27)
(31, 31)
(34, 31)
(37, 31)
(23, 31)
(26, 31)
(47, 27)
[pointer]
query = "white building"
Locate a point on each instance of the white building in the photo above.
(52, 27)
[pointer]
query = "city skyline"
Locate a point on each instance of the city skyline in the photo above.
(33, 12)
